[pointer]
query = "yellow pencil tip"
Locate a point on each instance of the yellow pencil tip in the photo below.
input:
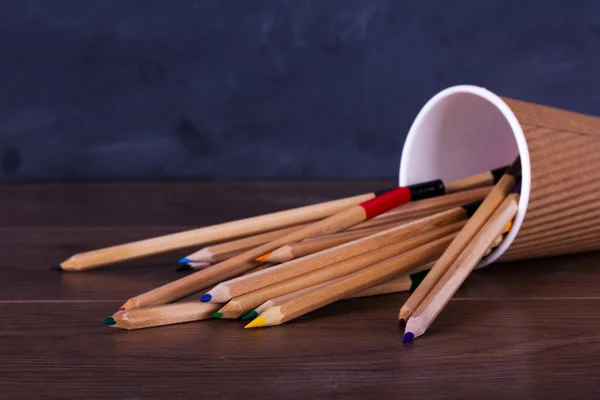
(257, 323)
(508, 226)
(264, 258)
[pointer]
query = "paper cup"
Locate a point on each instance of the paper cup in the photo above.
(464, 130)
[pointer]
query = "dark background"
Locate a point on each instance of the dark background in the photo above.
(106, 89)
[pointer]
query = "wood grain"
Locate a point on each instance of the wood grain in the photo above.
(526, 329)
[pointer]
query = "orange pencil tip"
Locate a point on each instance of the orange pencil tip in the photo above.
(264, 258)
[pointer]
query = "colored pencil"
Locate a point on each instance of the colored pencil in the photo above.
(193, 265)
(223, 251)
(486, 178)
(380, 272)
(483, 213)
(401, 283)
(210, 234)
(148, 317)
(234, 266)
(495, 244)
(176, 313)
(245, 303)
(421, 208)
(314, 245)
(224, 291)
(293, 250)
(440, 295)
(370, 209)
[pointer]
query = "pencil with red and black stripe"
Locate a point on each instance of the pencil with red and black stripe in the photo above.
(394, 198)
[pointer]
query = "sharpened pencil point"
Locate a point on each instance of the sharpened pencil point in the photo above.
(408, 337)
(251, 315)
(257, 323)
(184, 267)
(56, 268)
(185, 260)
(264, 258)
(206, 298)
(401, 323)
(217, 315)
(109, 321)
(121, 309)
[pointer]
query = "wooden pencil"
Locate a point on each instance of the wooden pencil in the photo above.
(223, 251)
(420, 208)
(398, 284)
(176, 313)
(423, 208)
(486, 178)
(395, 285)
(224, 291)
(495, 244)
(351, 284)
(234, 266)
(148, 317)
(210, 234)
(292, 251)
(194, 265)
(314, 245)
(483, 213)
(460, 269)
(241, 305)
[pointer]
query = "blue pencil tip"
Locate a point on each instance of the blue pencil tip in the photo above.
(185, 260)
(206, 298)
(408, 337)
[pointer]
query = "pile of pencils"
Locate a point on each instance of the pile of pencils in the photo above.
(426, 238)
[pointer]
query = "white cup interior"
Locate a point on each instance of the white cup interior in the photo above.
(461, 131)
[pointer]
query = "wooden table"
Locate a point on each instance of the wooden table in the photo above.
(521, 330)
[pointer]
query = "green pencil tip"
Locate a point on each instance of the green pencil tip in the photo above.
(56, 268)
(416, 279)
(217, 315)
(251, 315)
(109, 321)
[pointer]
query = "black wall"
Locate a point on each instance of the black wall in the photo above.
(106, 89)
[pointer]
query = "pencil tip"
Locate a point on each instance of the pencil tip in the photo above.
(408, 337)
(185, 260)
(206, 298)
(109, 321)
(264, 258)
(257, 323)
(217, 315)
(402, 323)
(56, 267)
(184, 267)
(251, 315)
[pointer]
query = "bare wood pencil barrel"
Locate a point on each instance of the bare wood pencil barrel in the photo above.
(465, 129)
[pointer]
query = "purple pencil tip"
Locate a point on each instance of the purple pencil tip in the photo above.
(408, 337)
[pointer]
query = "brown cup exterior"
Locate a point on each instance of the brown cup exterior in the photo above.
(563, 214)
